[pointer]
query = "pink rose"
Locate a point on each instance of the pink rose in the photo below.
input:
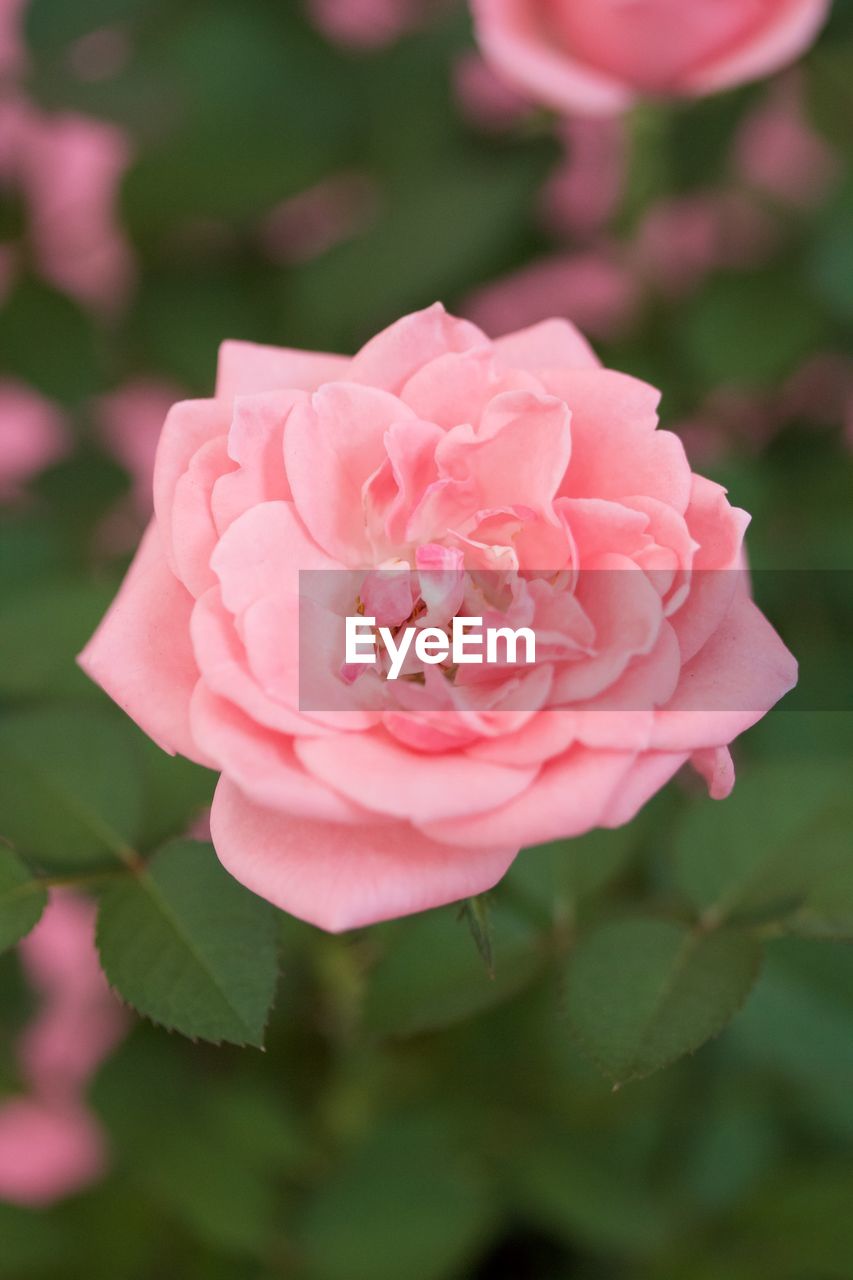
(367, 24)
(68, 169)
(433, 448)
(50, 1144)
(597, 56)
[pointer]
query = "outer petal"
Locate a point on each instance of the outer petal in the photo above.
(742, 671)
(649, 773)
(263, 764)
(341, 877)
(246, 368)
(786, 35)
(552, 344)
(520, 50)
(141, 654)
(718, 571)
(189, 425)
(390, 359)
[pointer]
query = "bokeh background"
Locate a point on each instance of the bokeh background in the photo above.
(175, 172)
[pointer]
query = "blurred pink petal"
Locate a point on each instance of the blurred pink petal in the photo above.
(584, 192)
(47, 1152)
(366, 24)
(130, 421)
(820, 391)
(32, 436)
(778, 152)
(50, 1146)
(79, 1020)
(12, 51)
(594, 288)
(307, 225)
(100, 54)
(72, 168)
(485, 98)
(682, 240)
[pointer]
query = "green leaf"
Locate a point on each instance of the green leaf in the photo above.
(643, 992)
(560, 874)
(22, 899)
(70, 786)
(176, 794)
(190, 948)
(431, 973)
(785, 827)
(405, 1203)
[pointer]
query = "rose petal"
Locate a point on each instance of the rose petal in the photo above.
(141, 654)
(341, 877)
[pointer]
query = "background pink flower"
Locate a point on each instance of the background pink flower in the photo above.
(68, 169)
(50, 1145)
(596, 56)
(33, 435)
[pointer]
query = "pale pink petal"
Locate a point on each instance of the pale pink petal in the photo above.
(514, 41)
(551, 344)
(342, 877)
(245, 368)
(718, 569)
(733, 681)
(649, 773)
(188, 426)
(571, 795)
(141, 654)
(383, 775)
(263, 764)
(193, 531)
(616, 449)
(518, 454)
(262, 554)
(393, 356)
(790, 30)
(333, 444)
(717, 768)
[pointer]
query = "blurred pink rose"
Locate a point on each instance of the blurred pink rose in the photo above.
(68, 169)
(50, 1145)
(33, 435)
(12, 52)
(432, 448)
(596, 287)
(776, 151)
(309, 224)
(597, 56)
(130, 421)
(682, 240)
(367, 24)
(486, 100)
(584, 193)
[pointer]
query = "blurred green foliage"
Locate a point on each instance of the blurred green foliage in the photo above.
(413, 1116)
